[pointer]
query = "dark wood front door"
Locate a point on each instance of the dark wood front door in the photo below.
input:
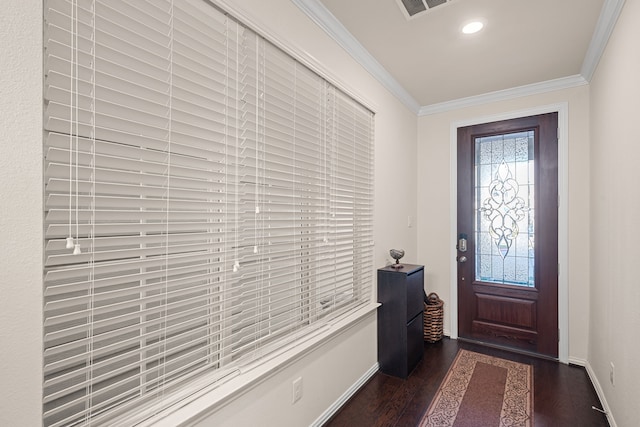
(508, 218)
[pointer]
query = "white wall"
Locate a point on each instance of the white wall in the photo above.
(435, 216)
(327, 372)
(615, 211)
(329, 369)
(21, 213)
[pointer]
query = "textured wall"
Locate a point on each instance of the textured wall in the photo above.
(21, 213)
(615, 207)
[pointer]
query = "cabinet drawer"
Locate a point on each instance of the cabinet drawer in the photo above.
(415, 342)
(400, 324)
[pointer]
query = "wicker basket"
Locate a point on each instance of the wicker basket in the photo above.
(433, 316)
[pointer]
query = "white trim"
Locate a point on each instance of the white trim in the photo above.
(317, 12)
(597, 387)
(601, 395)
(577, 361)
(453, 231)
(563, 225)
(563, 232)
(207, 401)
(606, 22)
(335, 407)
(502, 95)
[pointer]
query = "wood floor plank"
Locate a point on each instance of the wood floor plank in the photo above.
(563, 394)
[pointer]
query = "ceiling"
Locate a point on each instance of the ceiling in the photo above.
(427, 62)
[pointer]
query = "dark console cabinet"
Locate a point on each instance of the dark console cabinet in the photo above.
(400, 324)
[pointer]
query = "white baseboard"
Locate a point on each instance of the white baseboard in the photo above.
(596, 386)
(335, 407)
(331, 410)
(600, 393)
(576, 361)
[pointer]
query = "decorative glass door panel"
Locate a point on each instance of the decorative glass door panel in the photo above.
(504, 209)
(507, 224)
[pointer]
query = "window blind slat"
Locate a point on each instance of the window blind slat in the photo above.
(219, 194)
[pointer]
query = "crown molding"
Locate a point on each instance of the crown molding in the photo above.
(318, 13)
(502, 95)
(606, 22)
(334, 28)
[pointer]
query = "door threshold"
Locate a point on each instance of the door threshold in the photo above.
(509, 349)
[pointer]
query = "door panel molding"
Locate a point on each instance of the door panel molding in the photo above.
(524, 317)
(563, 287)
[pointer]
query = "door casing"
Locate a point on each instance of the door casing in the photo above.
(563, 287)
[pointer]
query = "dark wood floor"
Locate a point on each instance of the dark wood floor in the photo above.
(563, 394)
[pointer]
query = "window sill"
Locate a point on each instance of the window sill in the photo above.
(207, 400)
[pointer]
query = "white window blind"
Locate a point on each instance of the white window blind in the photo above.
(208, 200)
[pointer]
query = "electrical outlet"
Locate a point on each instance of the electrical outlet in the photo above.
(297, 390)
(612, 369)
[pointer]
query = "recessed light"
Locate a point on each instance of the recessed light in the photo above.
(472, 27)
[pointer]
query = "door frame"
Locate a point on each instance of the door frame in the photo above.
(563, 245)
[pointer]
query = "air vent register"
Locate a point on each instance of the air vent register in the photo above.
(411, 8)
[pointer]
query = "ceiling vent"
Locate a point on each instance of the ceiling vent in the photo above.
(411, 8)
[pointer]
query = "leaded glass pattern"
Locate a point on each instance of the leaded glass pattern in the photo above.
(504, 208)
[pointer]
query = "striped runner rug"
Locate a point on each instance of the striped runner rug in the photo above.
(483, 391)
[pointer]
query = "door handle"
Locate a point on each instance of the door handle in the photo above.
(462, 259)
